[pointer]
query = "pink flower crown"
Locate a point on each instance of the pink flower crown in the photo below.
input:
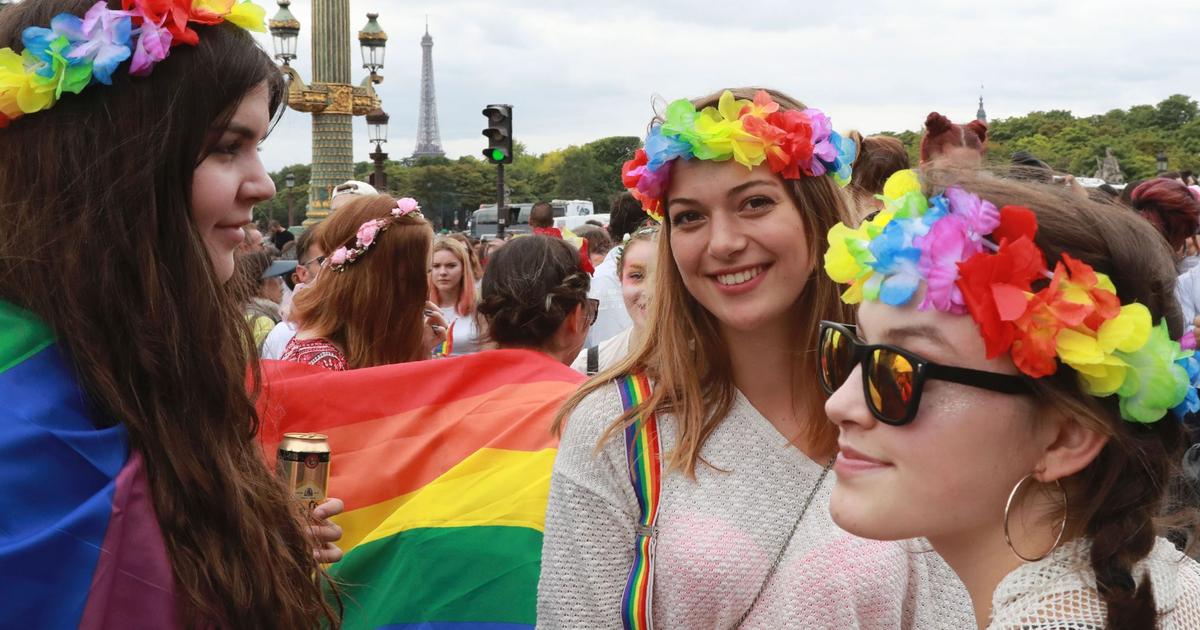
(75, 52)
(342, 257)
(975, 258)
(793, 143)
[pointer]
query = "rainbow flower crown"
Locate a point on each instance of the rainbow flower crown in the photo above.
(364, 238)
(75, 52)
(793, 143)
(977, 259)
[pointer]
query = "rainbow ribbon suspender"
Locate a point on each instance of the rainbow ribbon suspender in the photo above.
(644, 453)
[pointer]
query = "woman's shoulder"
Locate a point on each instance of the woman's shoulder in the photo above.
(315, 351)
(590, 419)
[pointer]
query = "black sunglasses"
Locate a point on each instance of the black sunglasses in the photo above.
(893, 377)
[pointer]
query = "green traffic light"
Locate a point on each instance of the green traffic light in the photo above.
(497, 155)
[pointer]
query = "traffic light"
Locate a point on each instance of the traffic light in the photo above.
(499, 134)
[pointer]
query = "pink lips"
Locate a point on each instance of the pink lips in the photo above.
(850, 462)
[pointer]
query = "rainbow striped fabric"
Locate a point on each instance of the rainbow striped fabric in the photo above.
(447, 346)
(444, 467)
(80, 546)
(644, 451)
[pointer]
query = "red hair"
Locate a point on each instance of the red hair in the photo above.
(941, 134)
(1170, 207)
(374, 308)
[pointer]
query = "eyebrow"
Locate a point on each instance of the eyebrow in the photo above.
(924, 331)
(732, 191)
(244, 132)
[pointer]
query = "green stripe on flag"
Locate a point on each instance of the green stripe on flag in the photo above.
(22, 335)
(476, 574)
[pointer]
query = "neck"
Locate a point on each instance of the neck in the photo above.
(982, 559)
(766, 363)
(558, 354)
(449, 297)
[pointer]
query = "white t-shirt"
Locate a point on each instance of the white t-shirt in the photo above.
(612, 318)
(610, 350)
(466, 333)
(277, 340)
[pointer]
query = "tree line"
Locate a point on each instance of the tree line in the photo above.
(449, 189)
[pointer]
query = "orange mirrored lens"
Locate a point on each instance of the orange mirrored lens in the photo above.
(837, 354)
(890, 383)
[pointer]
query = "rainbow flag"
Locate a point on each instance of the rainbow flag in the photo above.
(80, 546)
(444, 467)
(447, 346)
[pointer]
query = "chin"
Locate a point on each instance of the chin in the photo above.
(864, 518)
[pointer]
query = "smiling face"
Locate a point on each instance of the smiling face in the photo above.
(949, 471)
(446, 272)
(637, 265)
(231, 180)
(738, 240)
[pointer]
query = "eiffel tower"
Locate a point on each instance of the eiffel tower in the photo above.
(429, 141)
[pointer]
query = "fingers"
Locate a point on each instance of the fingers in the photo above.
(328, 554)
(331, 507)
(326, 533)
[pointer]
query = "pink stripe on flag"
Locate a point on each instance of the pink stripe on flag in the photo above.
(133, 586)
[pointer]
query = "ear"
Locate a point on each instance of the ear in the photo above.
(1070, 447)
(576, 321)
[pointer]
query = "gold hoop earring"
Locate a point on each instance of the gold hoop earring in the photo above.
(1008, 507)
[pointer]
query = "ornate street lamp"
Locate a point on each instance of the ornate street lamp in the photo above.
(377, 127)
(289, 180)
(330, 98)
(373, 41)
(285, 30)
(1162, 161)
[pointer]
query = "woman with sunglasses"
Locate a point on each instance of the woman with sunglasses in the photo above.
(1011, 392)
(726, 499)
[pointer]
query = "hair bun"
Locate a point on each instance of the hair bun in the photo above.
(936, 123)
(979, 128)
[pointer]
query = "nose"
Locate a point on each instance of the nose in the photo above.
(847, 406)
(726, 238)
(257, 185)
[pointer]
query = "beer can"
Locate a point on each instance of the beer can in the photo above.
(303, 465)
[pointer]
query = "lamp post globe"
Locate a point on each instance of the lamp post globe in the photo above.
(373, 41)
(285, 31)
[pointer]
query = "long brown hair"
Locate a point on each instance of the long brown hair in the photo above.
(1116, 499)
(686, 354)
(97, 239)
(374, 308)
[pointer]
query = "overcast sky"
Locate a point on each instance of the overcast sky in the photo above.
(578, 71)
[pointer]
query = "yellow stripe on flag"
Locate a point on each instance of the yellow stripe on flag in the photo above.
(495, 487)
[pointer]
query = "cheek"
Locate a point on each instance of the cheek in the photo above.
(952, 467)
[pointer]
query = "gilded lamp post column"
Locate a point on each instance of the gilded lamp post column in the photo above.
(331, 99)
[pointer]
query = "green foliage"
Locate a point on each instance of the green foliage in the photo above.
(1073, 145)
(453, 188)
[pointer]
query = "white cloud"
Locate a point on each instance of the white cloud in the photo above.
(575, 72)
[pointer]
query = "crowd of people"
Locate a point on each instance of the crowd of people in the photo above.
(794, 382)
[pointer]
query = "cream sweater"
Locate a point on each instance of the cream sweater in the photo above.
(718, 536)
(1060, 591)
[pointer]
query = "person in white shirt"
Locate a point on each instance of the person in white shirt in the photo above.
(635, 264)
(307, 268)
(626, 215)
(452, 288)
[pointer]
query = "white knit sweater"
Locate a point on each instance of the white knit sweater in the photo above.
(1060, 591)
(719, 535)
